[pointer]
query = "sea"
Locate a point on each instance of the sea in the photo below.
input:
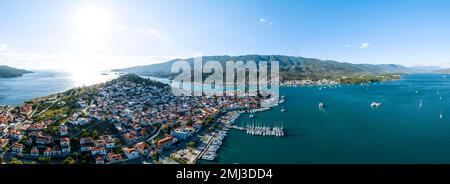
(15, 91)
(348, 130)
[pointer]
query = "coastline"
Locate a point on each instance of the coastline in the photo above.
(225, 123)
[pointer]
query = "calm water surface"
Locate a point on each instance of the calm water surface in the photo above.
(349, 130)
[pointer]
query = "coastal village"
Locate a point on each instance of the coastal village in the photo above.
(127, 120)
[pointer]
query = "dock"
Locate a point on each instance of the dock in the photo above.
(256, 130)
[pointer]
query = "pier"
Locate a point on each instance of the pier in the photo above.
(256, 130)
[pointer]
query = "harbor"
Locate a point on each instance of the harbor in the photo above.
(213, 141)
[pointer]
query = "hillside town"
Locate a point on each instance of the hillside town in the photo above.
(127, 120)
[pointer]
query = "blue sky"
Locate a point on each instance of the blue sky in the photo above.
(54, 34)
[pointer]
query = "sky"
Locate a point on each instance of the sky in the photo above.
(107, 34)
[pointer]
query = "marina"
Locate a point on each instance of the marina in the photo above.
(257, 130)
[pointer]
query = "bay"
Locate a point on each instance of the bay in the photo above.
(348, 130)
(15, 91)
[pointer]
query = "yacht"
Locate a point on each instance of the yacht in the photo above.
(321, 105)
(375, 104)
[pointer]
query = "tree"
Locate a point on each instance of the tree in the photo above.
(69, 160)
(190, 122)
(84, 133)
(45, 160)
(1, 159)
(156, 156)
(191, 144)
(95, 134)
(117, 142)
(15, 161)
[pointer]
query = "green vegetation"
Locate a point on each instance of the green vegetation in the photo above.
(209, 120)
(45, 160)
(9, 72)
(156, 156)
(52, 129)
(69, 160)
(15, 161)
(138, 80)
(191, 144)
(291, 68)
(367, 79)
(190, 122)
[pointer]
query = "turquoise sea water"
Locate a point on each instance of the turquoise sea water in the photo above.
(349, 130)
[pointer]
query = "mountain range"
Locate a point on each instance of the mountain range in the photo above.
(291, 67)
(9, 72)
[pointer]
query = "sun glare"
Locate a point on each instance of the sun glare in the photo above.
(92, 22)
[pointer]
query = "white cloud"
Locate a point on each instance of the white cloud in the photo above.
(365, 45)
(153, 32)
(265, 22)
(3, 47)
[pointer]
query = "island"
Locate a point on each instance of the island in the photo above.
(127, 120)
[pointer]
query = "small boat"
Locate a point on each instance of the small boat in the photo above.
(417, 92)
(441, 116)
(440, 98)
(375, 104)
(283, 110)
(251, 116)
(420, 103)
(321, 105)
